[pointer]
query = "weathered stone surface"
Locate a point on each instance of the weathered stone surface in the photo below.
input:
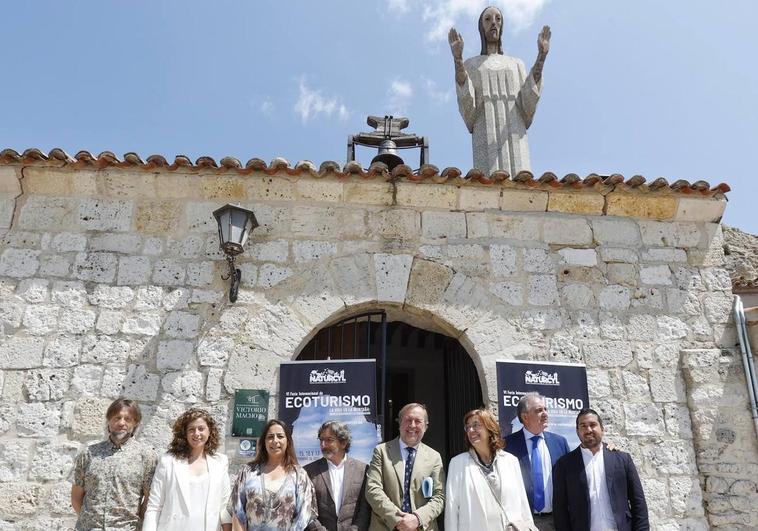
(428, 282)
(185, 386)
(19, 352)
(616, 232)
(183, 325)
(53, 461)
(38, 419)
(435, 225)
(19, 263)
(470, 198)
(14, 459)
(35, 290)
(514, 227)
(87, 380)
(503, 260)
(20, 499)
(567, 231)
(175, 354)
(432, 196)
(657, 275)
(608, 354)
(512, 293)
(700, 210)
(614, 298)
(144, 323)
(579, 257)
(89, 417)
(573, 203)
(133, 270)
(653, 206)
(643, 419)
(47, 384)
(392, 272)
(542, 290)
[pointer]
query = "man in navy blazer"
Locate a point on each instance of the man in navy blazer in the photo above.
(595, 489)
(550, 447)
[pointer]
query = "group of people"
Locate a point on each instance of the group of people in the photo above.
(525, 481)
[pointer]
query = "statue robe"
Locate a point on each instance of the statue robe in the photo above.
(497, 104)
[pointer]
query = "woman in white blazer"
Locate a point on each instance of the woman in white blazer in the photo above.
(485, 489)
(191, 486)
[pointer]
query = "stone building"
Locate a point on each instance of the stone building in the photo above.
(110, 284)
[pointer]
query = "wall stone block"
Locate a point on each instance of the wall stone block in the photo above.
(53, 461)
(543, 290)
(19, 263)
(41, 319)
(618, 254)
(38, 419)
(47, 384)
(511, 293)
(614, 298)
(608, 354)
(20, 352)
(105, 214)
(616, 232)
(183, 325)
(168, 272)
(14, 460)
(579, 257)
(54, 266)
(471, 198)
(87, 380)
(567, 231)
(656, 275)
(19, 499)
(514, 227)
(653, 206)
(306, 251)
(503, 260)
(174, 354)
(185, 386)
(143, 323)
(573, 203)
(76, 321)
(34, 290)
(392, 272)
(436, 225)
(429, 196)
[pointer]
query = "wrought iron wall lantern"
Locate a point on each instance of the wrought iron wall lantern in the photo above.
(234, 227)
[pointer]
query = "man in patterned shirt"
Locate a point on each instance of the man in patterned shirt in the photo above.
(112, 478)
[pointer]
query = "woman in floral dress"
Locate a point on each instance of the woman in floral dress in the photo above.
(272, 492)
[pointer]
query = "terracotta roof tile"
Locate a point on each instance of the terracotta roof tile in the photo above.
(428, 172)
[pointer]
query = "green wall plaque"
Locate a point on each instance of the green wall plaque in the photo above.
(250, 412)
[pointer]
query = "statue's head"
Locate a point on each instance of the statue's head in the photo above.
(491, 29)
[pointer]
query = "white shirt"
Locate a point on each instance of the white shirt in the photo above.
(337, 478)
(601, 512)
(547, 467)
(198, 495)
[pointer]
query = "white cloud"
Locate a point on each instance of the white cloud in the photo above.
(399, 97)
(437, 96)
(266, 106)
(398, 6)
(441, 15)
(311, 103)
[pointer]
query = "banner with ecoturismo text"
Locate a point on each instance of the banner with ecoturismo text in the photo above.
(564, 386)
(312, 392)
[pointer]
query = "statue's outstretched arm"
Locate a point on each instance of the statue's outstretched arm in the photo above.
(543, 47)
(456, 47)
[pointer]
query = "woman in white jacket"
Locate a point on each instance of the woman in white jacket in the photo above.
(191, 486)
(485, 489)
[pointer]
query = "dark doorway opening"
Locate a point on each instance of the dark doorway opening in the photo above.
(413, 365)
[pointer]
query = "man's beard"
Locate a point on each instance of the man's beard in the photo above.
(119, 437)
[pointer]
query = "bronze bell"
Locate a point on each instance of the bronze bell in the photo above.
(388, 155)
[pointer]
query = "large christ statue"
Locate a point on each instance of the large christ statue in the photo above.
(496, 97)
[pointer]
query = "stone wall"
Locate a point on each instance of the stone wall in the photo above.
(110, 285)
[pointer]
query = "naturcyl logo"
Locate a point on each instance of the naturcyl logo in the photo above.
(326, 376)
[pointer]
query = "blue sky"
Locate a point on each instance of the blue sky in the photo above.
(657, 88)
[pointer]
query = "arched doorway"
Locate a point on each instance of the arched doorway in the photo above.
(413, 365)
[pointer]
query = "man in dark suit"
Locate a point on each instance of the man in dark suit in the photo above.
(537, 451)
(339, 482)
(405, 484)
(595, 489)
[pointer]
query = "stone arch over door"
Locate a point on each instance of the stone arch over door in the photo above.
(265, 329)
